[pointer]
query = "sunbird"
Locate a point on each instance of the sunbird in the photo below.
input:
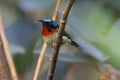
(50, 32)
(77, 51)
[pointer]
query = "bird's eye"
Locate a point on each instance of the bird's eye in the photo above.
(47, 23)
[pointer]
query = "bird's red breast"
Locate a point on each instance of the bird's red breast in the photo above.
(45, 31)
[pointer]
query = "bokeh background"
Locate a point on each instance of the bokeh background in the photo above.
(96, 23)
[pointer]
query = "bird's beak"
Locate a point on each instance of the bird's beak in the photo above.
(39, 21)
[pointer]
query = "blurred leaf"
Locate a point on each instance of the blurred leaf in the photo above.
(114, 38)
(104, 48)
(20, 63)
(114, 61)
(17, 49)
(99, 18)
(112, 49)
(114, 41)
(23, 61)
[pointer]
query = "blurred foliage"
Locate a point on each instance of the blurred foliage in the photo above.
(94, 24)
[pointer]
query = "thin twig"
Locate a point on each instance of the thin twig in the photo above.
(7, 52)
(40, 61)
(42, 53)
(58, 40)
(56, 10)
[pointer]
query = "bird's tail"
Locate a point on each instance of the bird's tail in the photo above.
(75, 44)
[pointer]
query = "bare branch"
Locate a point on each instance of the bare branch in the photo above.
(7, 52)
(58, 40)
(4, 48)
(40, 62)
(56, 10)
(4, 71)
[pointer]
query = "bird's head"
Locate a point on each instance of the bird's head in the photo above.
(49, 26)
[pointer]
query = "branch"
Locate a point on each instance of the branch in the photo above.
(59, 38)
(4, 71)
(7, 52)
(56, 10)
(42, 53)
(40, 61)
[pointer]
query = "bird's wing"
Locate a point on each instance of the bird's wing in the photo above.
(73, 43)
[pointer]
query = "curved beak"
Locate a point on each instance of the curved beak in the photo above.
(39, 21)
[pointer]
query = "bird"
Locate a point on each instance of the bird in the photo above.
(73, 52)
(50, 32)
